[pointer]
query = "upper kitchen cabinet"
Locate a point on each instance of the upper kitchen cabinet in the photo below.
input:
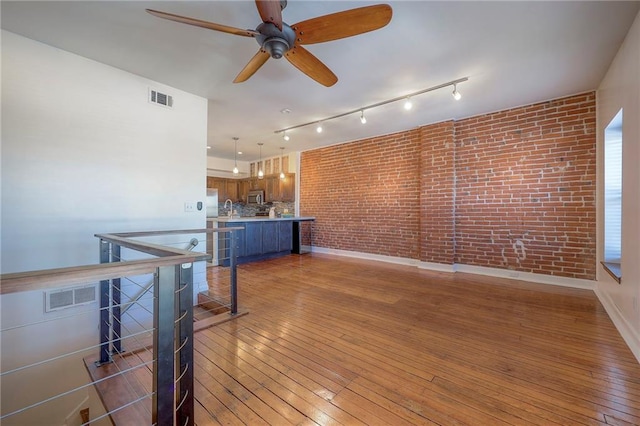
(288, 187)
(227, 188)
(277, 189)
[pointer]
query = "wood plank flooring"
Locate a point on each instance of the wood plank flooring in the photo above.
(331, 340)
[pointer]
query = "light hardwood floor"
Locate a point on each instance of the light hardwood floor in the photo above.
(331, 340)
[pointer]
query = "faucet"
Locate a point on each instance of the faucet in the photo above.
(230, 212)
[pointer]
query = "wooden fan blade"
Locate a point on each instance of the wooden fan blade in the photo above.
(254, 64)
(203, 24)
(270, 11)
(342, 24)
(302, 59)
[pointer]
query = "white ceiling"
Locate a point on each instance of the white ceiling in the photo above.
(514, 53)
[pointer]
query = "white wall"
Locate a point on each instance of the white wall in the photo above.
(83, 152)
(621, 89)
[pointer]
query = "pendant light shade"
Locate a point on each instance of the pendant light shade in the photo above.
(282, 176)
(235, 156)
(260, 172)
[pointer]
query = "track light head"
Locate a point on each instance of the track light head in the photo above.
(363, 119)
(319, 128)
(408, 104)
(286, 136)
(456, 95)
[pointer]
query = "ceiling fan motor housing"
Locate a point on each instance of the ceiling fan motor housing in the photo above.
(274, 41)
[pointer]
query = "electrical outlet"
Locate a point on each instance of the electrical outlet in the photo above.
(189, 206)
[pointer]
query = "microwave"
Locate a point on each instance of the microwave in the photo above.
(256, 196)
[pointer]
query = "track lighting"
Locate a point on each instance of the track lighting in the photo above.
(456, 95)
(282, 176)
(285, 136)
(260, 172)
(407, 105)
(235, 156)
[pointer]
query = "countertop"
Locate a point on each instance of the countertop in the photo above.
(258, 219)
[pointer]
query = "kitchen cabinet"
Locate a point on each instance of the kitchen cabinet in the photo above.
(231, 187)
(236, 190)
(272, 188)
(227, 188)
(253, 239)
(260, 239)
(277, 189)
(243, 190)
(288, 187)
(270, 231)
(285, 236)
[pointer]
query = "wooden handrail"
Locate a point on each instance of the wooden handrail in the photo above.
(54, 278)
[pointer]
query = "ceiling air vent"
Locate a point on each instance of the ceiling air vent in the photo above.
(68, 297)
(160, 98)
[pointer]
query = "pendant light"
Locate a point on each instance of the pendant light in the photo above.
(260, 172)
(281, 163)
(235, 157)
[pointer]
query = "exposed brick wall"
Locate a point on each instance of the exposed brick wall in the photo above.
(437, 191)
(364, 195)
(525, 193)
(513, 189)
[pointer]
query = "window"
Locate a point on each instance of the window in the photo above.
(613, 196)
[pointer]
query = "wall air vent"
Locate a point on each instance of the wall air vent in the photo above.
(68, 297)
(160, 98)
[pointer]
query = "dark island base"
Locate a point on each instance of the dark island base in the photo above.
(257, 257)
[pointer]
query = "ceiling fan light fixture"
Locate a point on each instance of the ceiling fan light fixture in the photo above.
(456, 95)
(363, 119)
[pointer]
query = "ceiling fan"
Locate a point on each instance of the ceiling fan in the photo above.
(277, 39)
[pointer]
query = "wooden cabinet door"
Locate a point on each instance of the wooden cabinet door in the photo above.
(288, 187)
(272, 188)
(232, 189)
(243, 190)
(221, 185)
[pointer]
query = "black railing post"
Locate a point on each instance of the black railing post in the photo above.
(233, 277)
(115, 300)
(105, 305)
(185, 340)
(166, 283)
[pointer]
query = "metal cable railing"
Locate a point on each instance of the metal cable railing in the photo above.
(143, 352)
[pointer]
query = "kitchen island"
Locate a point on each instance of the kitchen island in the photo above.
(262, 237)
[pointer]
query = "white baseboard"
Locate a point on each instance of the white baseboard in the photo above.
(625, 329)
(440, 267)
(367, 256)
(470, 269)
(527, 276)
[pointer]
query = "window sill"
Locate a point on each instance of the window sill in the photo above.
(614, 270)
